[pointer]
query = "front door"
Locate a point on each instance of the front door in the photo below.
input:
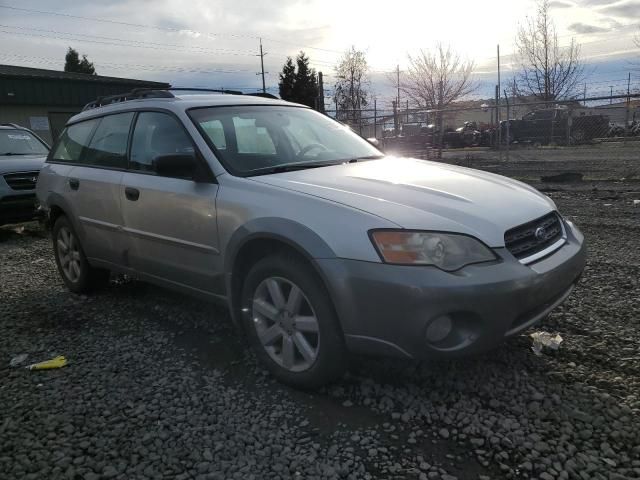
(171, 222)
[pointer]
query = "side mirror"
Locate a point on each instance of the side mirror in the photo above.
(375, 142)
(178, 165)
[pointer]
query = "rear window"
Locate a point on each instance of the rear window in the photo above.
(20, 142)
(108, 146)
(73, 140)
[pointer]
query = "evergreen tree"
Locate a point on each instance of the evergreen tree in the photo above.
(298, 82)
(72, 63)
(287, 80)
(305, 88)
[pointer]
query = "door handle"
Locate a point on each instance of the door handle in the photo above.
(74, 183)
(131, 193)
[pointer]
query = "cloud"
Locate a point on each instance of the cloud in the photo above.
(560, 4)
(628, 9)
(591, 3)
(586, 28)
(189, 33)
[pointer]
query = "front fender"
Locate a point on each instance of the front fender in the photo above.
(296, 235)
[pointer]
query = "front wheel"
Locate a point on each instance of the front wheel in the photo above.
(291, 323)
(77, 274)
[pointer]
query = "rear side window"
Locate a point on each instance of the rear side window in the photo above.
(108, 147)
(73, 141)
(157, 134)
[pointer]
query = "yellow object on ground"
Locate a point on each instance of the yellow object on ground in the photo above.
(57, 362)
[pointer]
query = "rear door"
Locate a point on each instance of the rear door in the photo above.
(171, 222)
(97, 148)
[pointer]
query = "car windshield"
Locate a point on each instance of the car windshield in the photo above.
(20, 142)
(255, 140)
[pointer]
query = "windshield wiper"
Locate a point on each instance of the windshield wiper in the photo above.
(291, 167)
(368, 157)
(12, 153)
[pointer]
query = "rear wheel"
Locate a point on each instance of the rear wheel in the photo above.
(291, 324)
(77, 274)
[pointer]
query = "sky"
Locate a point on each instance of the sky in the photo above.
(215, 43)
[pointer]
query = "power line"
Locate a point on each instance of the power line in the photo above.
(122, 44)
(151, 67)
(204, 49)
(103, 40)
(156, 27)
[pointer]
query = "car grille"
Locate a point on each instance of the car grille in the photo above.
(21, 180)
(533, 237)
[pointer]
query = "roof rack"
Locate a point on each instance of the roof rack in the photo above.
(14, 125)
(138, 93)
(263, 95)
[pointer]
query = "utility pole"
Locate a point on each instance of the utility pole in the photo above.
(320, 93)
(375, 118)
(262, 72)
(626, 115)
(515, 94)
(498, 99)
(396, 127)
(611, 95)
(584, 95)
(398, 85)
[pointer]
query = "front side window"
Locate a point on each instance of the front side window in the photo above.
(108, 147)
(73, 140)
(20, 142)
(157, 134)
(254, 140)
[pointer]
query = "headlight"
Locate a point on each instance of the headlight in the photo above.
(448, 251)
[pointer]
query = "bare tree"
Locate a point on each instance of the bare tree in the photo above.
(437, 78)
(547, 70)
(352, 85)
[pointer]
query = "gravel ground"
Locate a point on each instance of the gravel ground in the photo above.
(160, 386)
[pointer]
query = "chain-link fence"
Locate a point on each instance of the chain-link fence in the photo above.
(513, 124)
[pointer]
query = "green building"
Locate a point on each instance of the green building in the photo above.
(43, 100)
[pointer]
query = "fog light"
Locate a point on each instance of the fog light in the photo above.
(439, 329)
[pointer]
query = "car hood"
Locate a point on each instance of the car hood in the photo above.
(418, 194)
(21, 163)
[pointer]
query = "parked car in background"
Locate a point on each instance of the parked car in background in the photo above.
(468, 135)
(317, 242)
(22, 154)
(555, 125)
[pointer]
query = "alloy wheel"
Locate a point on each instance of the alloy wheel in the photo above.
(69, 254)
(286, 324)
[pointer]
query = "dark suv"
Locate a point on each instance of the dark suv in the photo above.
(22, 154)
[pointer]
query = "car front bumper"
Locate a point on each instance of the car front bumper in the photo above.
(389, 310)
(16, 208)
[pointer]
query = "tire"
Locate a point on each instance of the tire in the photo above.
(77, 274)
(268, 297)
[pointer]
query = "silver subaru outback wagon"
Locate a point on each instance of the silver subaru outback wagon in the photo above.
(319, 243)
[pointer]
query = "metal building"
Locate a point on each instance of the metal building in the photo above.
(43, 100)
